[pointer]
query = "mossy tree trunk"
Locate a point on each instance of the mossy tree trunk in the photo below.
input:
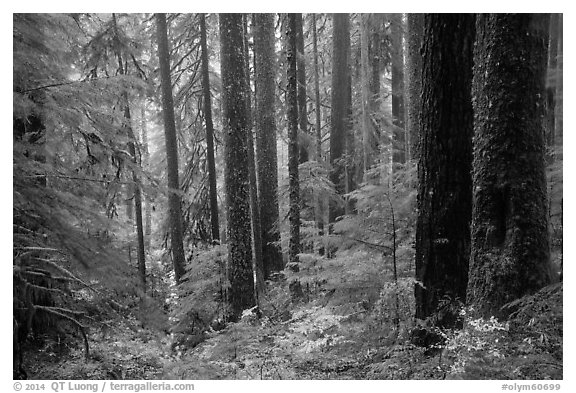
(445, 183)
(236, 127)
(267, 161)
(510, 242)
(178, 258)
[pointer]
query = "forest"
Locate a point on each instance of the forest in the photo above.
(287, 196)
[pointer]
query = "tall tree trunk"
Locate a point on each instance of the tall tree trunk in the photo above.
(178, 258)
(209, 132)
(294, 186)
(415, 36)
(510, 243)
(137, 193)
(267, 165)
(551, 80)
(146, 164)
(304, 144)
(236, 128)
(399, 139)
(445, 183)
(375, 56)
(319, 211)
(254, 205)
(367, 143)
(341, 100)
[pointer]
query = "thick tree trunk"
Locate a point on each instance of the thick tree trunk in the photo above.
(399, 139)
(340, 111)
(209, 132)
(510, 244)
(293, 152)
(267, 166)
(254, 205)
(236, 127)
(375, 55)
(178, 258)
(445, 183)
(415, 35)
(559, 98)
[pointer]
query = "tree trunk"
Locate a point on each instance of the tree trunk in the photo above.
(367, 143)
(293, 152)
(137, 196)
(236, 127)
(559, 98)
(445, 183)
(267, 165)
(399, 139)
(414, 37)
(146, 164)
(510, 244)
(304, 144)
(209, 133)
(375, 55)
(137, 193)
(340, 110)
(254, 205)
(178, 258)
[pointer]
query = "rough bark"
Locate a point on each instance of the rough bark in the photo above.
(267, 161)
(375, 56)
(445, 183)
(510, 245)
(293, 151)
(207, 97)
(174, 203)
(236, 127)
(399, 139)
(559, 98)
(254, 204)
(341, 99)
(415, 35)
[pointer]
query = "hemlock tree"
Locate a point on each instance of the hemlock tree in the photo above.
(445, 184)
(341, 108)
(293, 153)
(510, 241)
(178, 258)
(267, 166)
(236, 127)
(207, 98)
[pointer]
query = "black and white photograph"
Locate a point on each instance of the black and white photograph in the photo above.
(313, 196)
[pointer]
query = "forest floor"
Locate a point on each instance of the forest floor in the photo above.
(341, 329)
(318, 340)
